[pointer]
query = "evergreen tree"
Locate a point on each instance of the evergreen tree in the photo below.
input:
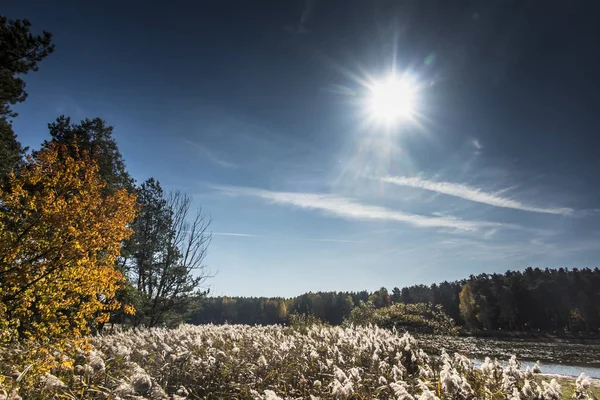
(11, 150)
(20, 52)
(96, 137)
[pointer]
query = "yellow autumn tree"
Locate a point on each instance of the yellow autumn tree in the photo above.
(468, 306)
(59, 238)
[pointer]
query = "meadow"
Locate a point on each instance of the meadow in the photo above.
(277, 362)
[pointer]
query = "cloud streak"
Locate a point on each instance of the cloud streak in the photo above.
(301, 27)
(250, 235)
(348, 208)
(210, 155)
(234, 234)
(472, 194)
(327, 240)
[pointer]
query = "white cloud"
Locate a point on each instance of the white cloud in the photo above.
(327, 240)
(250, 235)
(348, 208)
(233, 234)
(477, 144)
(471, 193)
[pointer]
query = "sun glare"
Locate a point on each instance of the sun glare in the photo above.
(392, 100)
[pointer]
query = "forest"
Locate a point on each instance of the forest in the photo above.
(533, 300)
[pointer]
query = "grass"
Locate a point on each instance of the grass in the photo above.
(568, 385)
(269, 363)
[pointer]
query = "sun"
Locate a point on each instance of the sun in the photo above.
(392, 99)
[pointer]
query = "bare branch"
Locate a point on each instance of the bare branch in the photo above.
(169, 252)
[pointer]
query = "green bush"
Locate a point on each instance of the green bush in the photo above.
(302, 322)
(419, 318)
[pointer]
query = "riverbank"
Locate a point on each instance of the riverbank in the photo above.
(571, 352)
(549, 336)
(567, 384)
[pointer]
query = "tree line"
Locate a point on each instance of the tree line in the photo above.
(81, 242)
(532, 300)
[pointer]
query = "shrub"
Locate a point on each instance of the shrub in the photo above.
(418, 318)
(302, 322)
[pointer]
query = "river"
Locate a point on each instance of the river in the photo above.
(556, 356)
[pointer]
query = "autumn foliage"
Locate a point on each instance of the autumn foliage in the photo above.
(59, 237)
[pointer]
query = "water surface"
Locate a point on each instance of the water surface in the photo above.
(557, 356)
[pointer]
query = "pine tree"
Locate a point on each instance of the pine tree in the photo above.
(94, 136)
(20, 52)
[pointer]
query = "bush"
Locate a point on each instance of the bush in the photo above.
(418, 318)
(302, 322)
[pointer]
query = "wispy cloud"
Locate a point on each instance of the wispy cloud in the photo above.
(471, 193)
(327, 240)
(349, 208)
(210, 155)
(234, 234)
(594, 212)
(525, 249)
(250, 235)
(301, 27)
(477, 144)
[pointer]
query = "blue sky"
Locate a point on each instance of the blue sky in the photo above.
(256, 109)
